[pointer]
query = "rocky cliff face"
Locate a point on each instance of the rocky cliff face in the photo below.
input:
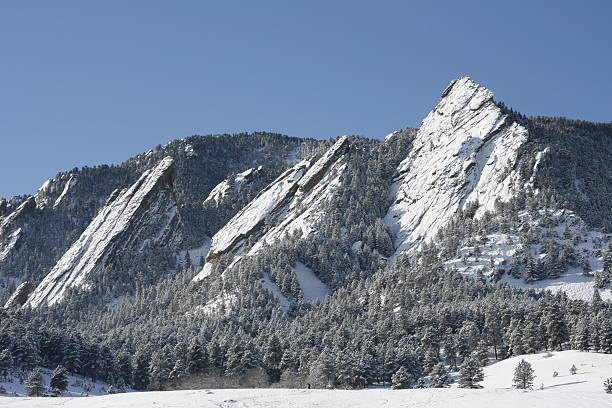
(144, 214)
(464, 152)
(288, 204)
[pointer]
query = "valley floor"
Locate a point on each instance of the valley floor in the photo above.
(584, 389)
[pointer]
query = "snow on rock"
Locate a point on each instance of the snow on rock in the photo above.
(19, 297)
(27, 206)
(288, 202)
(293, 202)
(116, 227)
(463, 152)
(9, 244)
(252, 217)
(70, 183)
(391, 135)
(222, 189)
(316, 172)
(312, 287)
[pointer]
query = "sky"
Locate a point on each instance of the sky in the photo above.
(87, 83)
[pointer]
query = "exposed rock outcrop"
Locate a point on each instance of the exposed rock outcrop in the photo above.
(464, 152)
(144, 212)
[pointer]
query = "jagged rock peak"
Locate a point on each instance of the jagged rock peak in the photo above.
(116, 227)
(464, 152)
(306, 183)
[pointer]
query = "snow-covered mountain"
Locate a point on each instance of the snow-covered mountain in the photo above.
(465, 152)
(144, 214)
(290, 203)
(261, 258)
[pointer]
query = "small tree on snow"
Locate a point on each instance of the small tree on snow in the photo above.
(523, 376)
(573, 370)
(608, 385)
(59, 380)
(34, 384)
(470, 373)
(401, 379)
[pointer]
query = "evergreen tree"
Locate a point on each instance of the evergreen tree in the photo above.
(35, 386)
(470, 373)
(59, 380)
(608, 385)
(440, 378)
(6, 363)
(523, 376)
(401, 379)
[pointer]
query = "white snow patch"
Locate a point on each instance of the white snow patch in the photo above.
(312, 287)
(271, 287)
(9, 244)
(221, 190)
(71, 181)
(77, 387)
(195, 254)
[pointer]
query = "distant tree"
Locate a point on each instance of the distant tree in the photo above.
(401, 379)
(470, 373)
(59, 380)
(35, 386)
(440, 377)
(523, 376)
(6, 363)
(608, 385)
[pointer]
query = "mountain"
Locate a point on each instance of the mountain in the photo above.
(464, 153)
(144, 214)
(259, 258)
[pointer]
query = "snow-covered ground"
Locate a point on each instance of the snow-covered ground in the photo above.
(77, 387)
(584, 389)
(311, 285)
(560, 227)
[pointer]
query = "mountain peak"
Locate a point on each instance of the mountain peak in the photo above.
(463, 153)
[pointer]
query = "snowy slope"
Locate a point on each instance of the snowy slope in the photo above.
(78, 386)
(563, 228)
(464, 152)
(147, 203)
(583, 390)
(312, 287)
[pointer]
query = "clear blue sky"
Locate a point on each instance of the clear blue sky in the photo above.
(85, 83)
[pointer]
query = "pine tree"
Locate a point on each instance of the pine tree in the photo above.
(35, 386)
(59, 380)
(608, 386)
(470, 373)
(523, 376)
(440, 377)
(272, 358)
(401, 379)
(6, 363)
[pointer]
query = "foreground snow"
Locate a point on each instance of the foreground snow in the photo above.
(585, 389)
